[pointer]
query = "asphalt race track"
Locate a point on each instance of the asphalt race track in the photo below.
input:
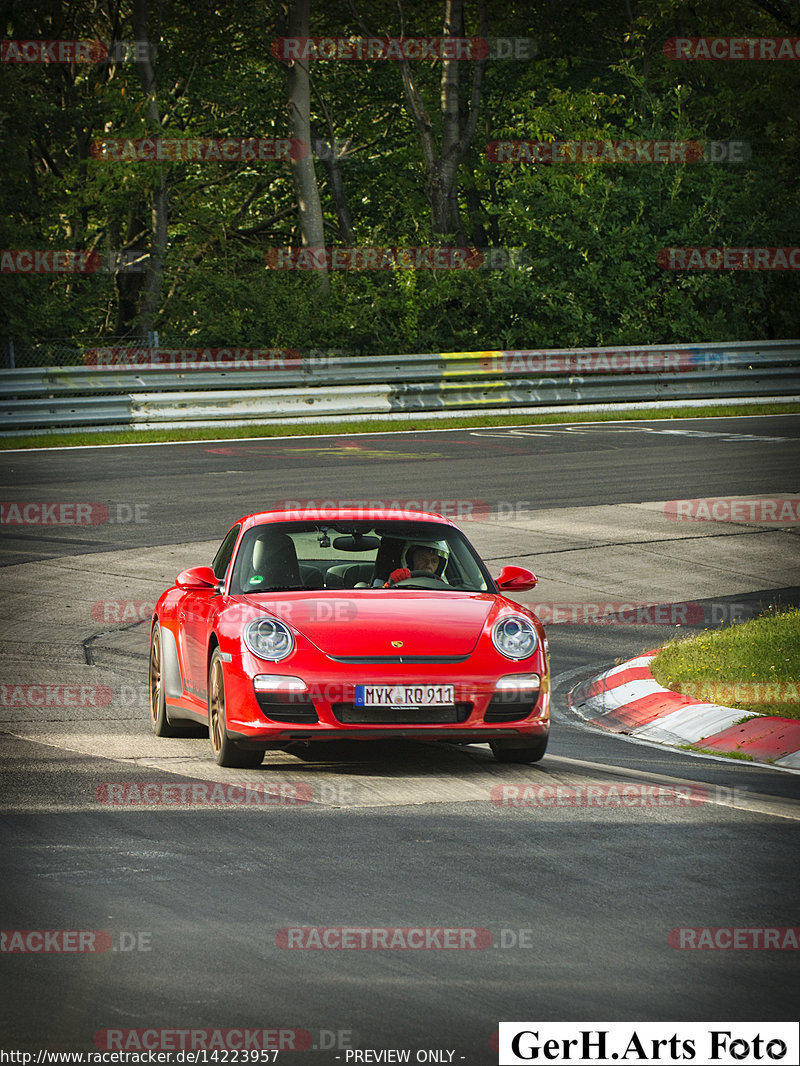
(557, 911)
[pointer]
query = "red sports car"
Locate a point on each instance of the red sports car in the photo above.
(336, 624)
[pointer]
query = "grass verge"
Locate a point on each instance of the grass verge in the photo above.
(754, 665)
(387, 425)
(720, 754)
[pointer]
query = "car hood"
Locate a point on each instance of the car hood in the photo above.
(366, 624)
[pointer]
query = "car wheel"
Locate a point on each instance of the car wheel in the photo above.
(162, 727)
(225, 751)
(511, 751)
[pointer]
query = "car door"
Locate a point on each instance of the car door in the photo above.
(193, 626)
(196, 614)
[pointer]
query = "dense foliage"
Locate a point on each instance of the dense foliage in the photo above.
(585, 236)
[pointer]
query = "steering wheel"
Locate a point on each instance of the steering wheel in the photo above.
(416, 573)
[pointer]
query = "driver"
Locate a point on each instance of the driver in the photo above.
(422, 555)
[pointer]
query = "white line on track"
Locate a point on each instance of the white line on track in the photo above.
(378, 433)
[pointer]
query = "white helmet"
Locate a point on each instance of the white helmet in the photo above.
(438, 546)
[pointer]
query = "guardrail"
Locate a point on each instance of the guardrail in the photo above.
(158, 389)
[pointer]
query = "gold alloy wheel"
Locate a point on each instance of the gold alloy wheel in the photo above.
(226, 752)
(155, 676)
(216, 707)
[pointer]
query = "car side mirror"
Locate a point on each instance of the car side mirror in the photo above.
(516, 579)
(197, 577)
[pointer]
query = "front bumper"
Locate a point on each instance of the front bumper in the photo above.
(325, 707)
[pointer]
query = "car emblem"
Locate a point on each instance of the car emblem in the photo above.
(397, 644)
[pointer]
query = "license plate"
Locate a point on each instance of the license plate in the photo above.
(404, 695)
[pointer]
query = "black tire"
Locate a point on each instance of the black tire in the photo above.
(225, 751)
(511, 751)
(161, 725)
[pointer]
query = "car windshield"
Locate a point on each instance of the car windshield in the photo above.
(280, 556)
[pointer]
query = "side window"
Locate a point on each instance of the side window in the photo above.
(223, 556)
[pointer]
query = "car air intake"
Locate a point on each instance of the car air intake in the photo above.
(502, 710)
(286, 710)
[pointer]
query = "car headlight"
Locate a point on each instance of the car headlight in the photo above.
(268, 639)
(515, 637)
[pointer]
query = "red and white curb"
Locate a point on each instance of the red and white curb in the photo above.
(628, 699)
